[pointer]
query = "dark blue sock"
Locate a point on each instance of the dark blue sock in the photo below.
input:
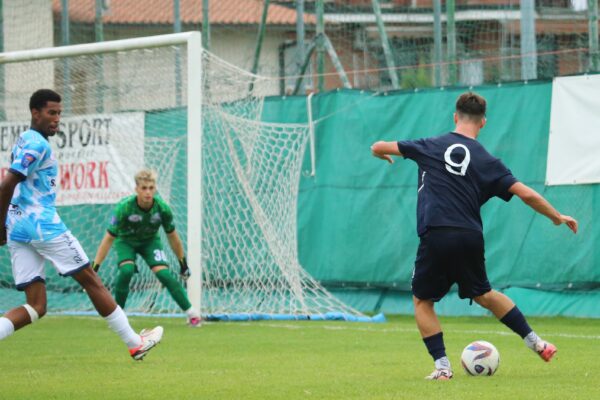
(435, 345)
(515, 320)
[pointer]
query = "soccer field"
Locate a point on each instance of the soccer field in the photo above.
(78, 357)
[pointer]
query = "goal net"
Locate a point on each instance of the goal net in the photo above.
(231, 180)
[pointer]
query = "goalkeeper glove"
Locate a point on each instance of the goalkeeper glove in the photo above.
(184, 271)
(95, 266)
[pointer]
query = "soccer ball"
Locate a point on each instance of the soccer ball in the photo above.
(480, 358)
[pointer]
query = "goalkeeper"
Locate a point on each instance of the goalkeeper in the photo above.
(134, 230)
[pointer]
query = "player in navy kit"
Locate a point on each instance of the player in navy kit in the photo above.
(456, 177)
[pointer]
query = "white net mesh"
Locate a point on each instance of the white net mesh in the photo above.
(251, 171)
(250, 174)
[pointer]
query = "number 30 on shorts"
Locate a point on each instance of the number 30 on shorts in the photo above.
(159, 255)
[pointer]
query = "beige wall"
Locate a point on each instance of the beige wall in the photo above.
(238, 49)
(27, 25)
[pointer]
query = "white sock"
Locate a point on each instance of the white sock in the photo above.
(118, 322)
(6, 327)
(442, 363)
(192, 313)
(531, 339)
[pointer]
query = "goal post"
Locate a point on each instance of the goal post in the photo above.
(194, 181)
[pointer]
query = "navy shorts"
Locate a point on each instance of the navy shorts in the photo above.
(447, 256)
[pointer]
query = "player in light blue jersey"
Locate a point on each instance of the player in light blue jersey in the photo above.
(32, 204)
(34, 232)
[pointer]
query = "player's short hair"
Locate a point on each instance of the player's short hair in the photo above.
(41, 97)
(145, 176)
(471, 106)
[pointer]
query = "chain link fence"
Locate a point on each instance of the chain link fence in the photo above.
(366, 44)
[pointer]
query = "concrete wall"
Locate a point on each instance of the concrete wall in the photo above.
(26, 25)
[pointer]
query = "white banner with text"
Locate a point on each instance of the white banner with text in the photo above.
(97, 155)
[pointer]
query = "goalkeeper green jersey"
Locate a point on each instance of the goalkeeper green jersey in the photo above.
(131, 223)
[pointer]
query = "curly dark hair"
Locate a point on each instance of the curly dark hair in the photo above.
(41, 97)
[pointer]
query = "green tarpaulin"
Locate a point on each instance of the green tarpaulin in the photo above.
(356, 217)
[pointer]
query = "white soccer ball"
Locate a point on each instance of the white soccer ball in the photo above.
(480, 358)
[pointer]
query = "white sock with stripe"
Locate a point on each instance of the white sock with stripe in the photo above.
(442, 363)
(531, 340)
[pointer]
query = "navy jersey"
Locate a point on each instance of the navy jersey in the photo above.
(456, 177)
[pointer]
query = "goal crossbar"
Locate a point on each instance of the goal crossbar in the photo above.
(112, 46)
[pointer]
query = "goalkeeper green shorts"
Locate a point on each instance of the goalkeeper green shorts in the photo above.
(150, 250)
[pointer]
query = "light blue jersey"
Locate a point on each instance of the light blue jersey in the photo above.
(32, 214)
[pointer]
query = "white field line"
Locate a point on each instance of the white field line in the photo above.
(354, 326)
(351, 327)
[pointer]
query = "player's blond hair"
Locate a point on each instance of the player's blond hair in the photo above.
(145, 176)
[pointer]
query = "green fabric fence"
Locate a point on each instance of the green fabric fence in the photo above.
(357, 216)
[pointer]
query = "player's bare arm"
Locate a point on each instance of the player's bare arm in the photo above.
(384, 150)
(536, 201)
(7, 188)
(103, 249)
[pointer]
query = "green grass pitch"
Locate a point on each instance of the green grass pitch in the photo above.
(80, 358)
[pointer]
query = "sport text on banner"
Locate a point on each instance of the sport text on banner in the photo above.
(97, 155)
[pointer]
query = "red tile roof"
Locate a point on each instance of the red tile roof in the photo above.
(227, 12)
